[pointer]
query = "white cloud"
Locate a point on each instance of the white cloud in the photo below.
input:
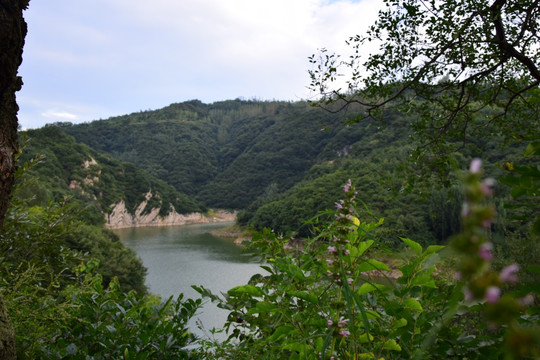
(128, 55)
(59, 115)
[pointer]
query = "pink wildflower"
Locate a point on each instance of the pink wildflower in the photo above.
(342, 322)
(330, 323)
(493, 293)
(476, 165)
(329, 262)
(347, 186)
(349, 281)
(468, 295)
(487, 186)
(485, 251)
(332, 249)
(346, 252)
(344, 333)
(508, 274)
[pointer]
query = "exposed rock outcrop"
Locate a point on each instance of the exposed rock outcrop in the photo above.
(121, 218)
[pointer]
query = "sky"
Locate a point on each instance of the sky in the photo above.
(89, 60)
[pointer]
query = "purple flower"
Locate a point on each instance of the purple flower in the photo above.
(347, 186)
(332, 249)
(329, 262)
(349, 281)
(346, 252)
(476, 165)
(335, 239)
(344, 333)
(493, 293)
(330, 323)
(485, 251)
(342, 322)
(487, 186)
(508, 274)
(468, 294)
(338, 206)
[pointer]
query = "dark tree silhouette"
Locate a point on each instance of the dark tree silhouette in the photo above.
(12, 33)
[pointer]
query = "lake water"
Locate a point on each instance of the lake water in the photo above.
(180, 256)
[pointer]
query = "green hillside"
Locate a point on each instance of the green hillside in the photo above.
(96, 180)
(282, 163)
(226, 154)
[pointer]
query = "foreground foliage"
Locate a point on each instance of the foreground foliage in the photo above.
(87, 320)
(335, 299)
(64, 303)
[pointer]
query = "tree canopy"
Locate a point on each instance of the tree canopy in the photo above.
(466, 68)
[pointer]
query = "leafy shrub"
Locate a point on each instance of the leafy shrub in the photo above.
(334, 299)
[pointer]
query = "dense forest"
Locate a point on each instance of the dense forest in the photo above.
(68, 168)
(281, 163)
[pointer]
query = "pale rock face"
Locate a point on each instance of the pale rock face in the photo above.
(87, 163)
(121, 218)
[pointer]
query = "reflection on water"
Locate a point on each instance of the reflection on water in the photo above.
(180, 256)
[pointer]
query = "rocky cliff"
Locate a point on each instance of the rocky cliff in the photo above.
(121, 218)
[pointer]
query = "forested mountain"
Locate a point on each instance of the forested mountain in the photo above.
(282, 163)
(227, 153)
(95, 180)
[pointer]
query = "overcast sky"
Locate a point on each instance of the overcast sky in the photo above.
(87, 60)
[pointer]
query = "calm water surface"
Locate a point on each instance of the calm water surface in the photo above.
(180, 256)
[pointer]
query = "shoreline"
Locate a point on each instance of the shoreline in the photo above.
(232, 232)
(130, 221)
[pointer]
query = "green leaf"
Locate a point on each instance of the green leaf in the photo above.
(281, 332)
(424, 279)
(262, 307)
(534, 269)
(245, 289)
(372, 264)
(517, 192)
(370, 314)
(304, 296)
(509, 180)
(296, 346)
(399, 323)
(369, 287)
(392, 345)
(363, 246)
(412, 304)
(413, 245)
(532, 149)
(434, 248)
(364, 338)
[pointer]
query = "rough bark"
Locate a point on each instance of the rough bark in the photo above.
(12, 33)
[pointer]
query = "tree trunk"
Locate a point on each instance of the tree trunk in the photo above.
(12, 33)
